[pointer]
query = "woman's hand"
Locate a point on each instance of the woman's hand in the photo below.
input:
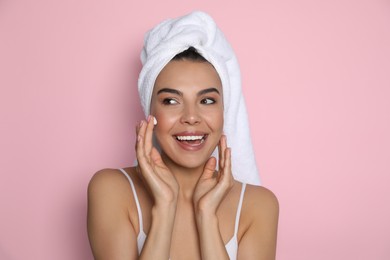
(213, 186)
(159, 179)
(164, 189)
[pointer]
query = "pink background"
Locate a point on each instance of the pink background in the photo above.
(316, 75)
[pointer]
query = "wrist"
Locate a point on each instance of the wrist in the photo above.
(204, 211)
(164, 209)
(162, 202)
(206, 218)
(163, 219)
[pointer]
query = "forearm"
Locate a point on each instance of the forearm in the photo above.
(158, 242)
(211, 243)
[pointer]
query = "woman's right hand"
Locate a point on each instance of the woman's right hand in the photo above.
(158, 178)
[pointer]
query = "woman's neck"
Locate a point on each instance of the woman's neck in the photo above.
(187, 178)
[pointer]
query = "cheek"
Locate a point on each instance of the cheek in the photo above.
(215, 120)
(165, 121)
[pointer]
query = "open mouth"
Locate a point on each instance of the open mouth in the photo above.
(192, 140)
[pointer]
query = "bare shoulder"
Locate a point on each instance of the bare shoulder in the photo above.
(109, 222)
(108, 180)
(260, 205)
(111, 186)
(261, 198)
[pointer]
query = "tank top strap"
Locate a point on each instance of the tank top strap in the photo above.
(141, 226)
(238, 214)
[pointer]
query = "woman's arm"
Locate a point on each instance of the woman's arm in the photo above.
(158, 242)
(163, 187)
(211, 243)
(209, 193)
(110, 232)
(261, 212)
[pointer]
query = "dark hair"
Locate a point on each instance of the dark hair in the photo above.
(190, 54)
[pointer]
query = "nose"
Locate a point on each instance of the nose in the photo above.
(190, 115)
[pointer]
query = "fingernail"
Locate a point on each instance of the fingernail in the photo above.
(149, 117)
(155, 121)
(142, 122)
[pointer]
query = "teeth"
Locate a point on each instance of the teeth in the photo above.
(190, 137)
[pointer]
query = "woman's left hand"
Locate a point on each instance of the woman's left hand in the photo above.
(213, 186)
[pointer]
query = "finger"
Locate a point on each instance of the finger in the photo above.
(156, 157)
(145, 167)
(225, 181)
(142, 133)
(226, 175)
(142, 156)
(209, 168)
(220, 154)
(228, 162)
(140, 153)
(136, 134)
(222, 148)
(137, 129)
(149, 135)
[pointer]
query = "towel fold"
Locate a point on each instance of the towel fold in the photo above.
(199, 30)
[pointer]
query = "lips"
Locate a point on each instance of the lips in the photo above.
(191, 141)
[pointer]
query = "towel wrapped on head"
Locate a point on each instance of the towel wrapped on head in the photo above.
(199, 30)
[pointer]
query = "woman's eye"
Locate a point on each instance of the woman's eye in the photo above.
(169, 101)
(208, 101)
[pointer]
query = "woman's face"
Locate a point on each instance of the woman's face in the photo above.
(187, 102)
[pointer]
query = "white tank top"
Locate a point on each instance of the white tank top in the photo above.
(231, 246)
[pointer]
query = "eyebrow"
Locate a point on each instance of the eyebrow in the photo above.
(174, 91)
(169, 90)
(208, 90)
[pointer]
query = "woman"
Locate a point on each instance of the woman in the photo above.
(175, 204)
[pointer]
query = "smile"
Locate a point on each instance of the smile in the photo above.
(191, 142)
(190, 137)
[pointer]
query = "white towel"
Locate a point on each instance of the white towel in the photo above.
(199, 30)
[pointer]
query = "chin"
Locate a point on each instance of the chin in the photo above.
(189, 160)
(192, 163)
